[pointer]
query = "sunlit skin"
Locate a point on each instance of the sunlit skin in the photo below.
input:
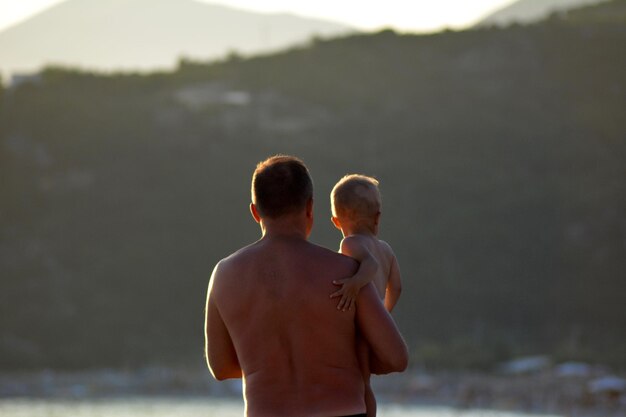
(361, 242)
(271, 321)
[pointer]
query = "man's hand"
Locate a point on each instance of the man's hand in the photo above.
(348, 293)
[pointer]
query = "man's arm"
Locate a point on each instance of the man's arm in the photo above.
(350, 246)
(389, 352)
(394, 285)
(219, 349)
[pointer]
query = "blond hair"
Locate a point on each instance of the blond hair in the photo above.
(356, 196)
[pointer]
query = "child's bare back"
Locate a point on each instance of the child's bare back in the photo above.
(356, 206)
(386, 278)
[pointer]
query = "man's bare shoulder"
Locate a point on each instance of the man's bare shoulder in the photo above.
(234, 261)
(319, 254)
(333, 258)
(241, 254)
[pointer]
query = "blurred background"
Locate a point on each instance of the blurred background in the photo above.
(129, 130)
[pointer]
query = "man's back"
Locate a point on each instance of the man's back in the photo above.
(296, 351)
(270, 318)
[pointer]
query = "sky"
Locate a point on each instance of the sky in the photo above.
(402, 15)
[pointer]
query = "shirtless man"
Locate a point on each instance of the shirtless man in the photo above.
(270, 321)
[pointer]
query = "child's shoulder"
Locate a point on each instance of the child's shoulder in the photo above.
(386, 248)
(354, 240)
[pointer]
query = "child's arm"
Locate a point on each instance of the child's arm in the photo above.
(394, 285)
(350, 287)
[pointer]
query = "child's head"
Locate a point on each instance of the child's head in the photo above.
(355, 199)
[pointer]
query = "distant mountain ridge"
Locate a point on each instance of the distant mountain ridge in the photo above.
(147, 34)
(528, 11)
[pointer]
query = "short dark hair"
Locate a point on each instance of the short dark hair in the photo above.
(281, 185)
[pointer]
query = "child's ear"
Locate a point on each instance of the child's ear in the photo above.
(255, 213)
(377, 219)
(336, 222)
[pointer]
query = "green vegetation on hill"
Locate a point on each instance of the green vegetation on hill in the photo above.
(501, 155)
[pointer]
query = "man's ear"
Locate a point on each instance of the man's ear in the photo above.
(336, 222)
(255, 213)
(309, 207)
(376, 219)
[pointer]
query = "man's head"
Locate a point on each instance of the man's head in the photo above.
(281, 185)
(356, 199)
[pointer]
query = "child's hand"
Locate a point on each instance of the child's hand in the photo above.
(348, 293)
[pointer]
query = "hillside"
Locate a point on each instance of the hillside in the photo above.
(147, 34)
(529, 11)
(501, 155)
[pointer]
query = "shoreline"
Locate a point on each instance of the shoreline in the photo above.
(540, 393)
(537, 393)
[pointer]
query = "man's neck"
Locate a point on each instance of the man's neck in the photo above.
(293, 228)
